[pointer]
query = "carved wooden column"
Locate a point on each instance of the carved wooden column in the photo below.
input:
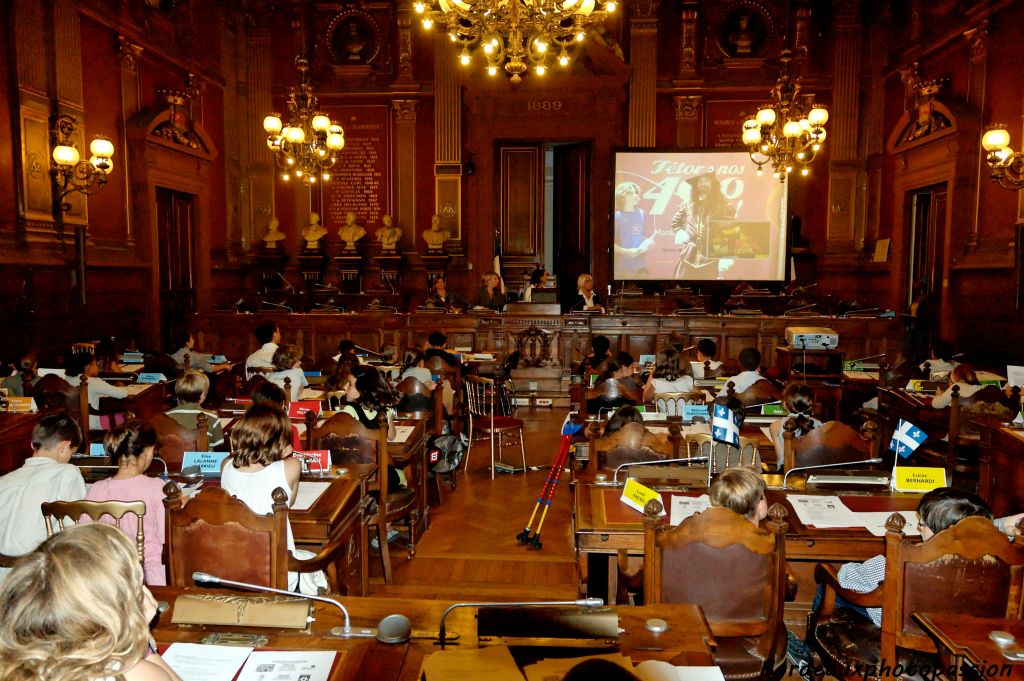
(405, 81)
(643, 57)
(845, 227)
(128, 55)
(979, 40)
(688, 118)
(447, 141)
(68, 95)
(258, 205)
(404, 122)
(687, 43)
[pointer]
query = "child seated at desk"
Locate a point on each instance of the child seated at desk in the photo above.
(80, 363)
(288, 364)
(963, 376)
(750, 365)
(131, 447)
(741, 490)
(706, 351)
(196, 360)
(437, 346)
(798, 401)
(622, 416)
(45, 476)
(367, 394)
(26, 375)
(77, 608)
(191, 390)
(261, 461)
(269, 393)
(669, 376)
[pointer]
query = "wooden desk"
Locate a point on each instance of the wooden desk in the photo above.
(148, 400)
(16, 439)
(963, 644)
(688, 640)
(1003, 460)
(603, 526)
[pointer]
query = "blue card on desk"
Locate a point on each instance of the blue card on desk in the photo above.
(218, 359)
(208, 462)
(96, 449)
(151, 378)
(309, 374)
(692, 411)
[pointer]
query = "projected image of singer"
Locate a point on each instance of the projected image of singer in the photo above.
(693, 219)
(631, 240)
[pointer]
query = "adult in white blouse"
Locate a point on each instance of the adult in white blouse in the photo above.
(83, 363)
(538, 279)
(288, 365)
(962, 376)
(750, 363)
(268, 335)
(586, 298)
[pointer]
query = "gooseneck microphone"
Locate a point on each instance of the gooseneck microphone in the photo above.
(838, 464)
(582, 602)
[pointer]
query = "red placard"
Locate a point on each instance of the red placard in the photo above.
(316, 460)
(297, 410)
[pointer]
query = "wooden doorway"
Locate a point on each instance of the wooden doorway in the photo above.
(926, 234)
(176, 216)
(571, 216)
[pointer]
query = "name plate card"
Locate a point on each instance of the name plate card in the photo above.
(919, 478)
(693, 411)
(636, 496)
(151, 378)
(298, 409)
(208, 462)
(314, 460)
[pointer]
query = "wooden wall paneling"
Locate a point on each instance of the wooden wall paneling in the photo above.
(522, 201)
(405, 148)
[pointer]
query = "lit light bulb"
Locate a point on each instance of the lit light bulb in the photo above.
(285, 176)
(789, 169)
(420, 8)
(290, 161)
(540, 69)
(580, 36)
(298, 173)
(428, 24)
(815, 147)
(321, 152)
(312, 179)
(777, 175)
(453, 37)
(541, 46)
(101, 147)
(801, 155)
(995, 139)
(492, 70)
(66, 155)
(326, 176)
(464, 58)
(563, 59)
(805, 172)
(488, 48)
(611, 6)
(759, 171)
(320, 122)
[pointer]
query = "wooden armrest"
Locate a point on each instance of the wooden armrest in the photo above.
(829, 576)
(327, 555)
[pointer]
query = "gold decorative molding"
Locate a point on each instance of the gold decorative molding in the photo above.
(405, 109)
(688, 106)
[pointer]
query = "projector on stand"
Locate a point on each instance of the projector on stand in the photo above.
(812, 338)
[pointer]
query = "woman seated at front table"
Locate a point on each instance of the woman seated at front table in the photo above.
(538, 279)
(441, 297)
(961, 376)
(669, 375)
(586, 298)
(490, 295)
(77, 608)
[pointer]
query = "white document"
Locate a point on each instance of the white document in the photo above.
(683, 507)
(312, 394)
(659, 670)
(288, 665)
(822, 511)
(132, 368)
(196, 662)
(402, 434)
(860, 375)
(1014, 375)
(308, 493)
(134, 389)
(56, 372)
(652, 416)
(874, 521)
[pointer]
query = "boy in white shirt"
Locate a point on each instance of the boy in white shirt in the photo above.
(46, 476)
(750, 363)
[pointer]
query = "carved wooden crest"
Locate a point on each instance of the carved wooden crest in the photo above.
(534, 346)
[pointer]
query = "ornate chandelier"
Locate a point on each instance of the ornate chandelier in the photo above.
(1007, 165)
(789, 131)
(307, 147)
(517, 33)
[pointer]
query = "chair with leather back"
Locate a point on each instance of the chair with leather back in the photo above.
(57, 513)
(51, 392)
(721, 455)
(485, 417)
(831, 442)
(174, 439)
(349, 442)
(630, 443)
(761, 392)
(671, 403)
(610, 393)
(970, 567)
(218, 534)
(740, 583)
(421, 401)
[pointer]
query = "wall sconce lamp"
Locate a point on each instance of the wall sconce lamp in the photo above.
(1006, 164)
(71, 173)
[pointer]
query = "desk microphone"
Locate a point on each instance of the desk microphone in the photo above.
(785, 477)
(325, 287)
(286, 282)
(864, 359)
(278, 305)
(798, 308)
(583, 302)
(847, 314)
(583, 602)
(655, 462)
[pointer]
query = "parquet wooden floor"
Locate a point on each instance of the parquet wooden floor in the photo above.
(471, 552)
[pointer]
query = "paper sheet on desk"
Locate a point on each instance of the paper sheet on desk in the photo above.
(659, 670)
(132, 368)
(197, 662)
(312, 394)
(308, 493)
(288, 665)
(874, 521)
(402, 434)
(822, 511)
(682, 507)
(493, 663)
(556, 668)
(861, 375)
(136, 388)
(1014, 375)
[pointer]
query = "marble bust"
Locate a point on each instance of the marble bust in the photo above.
(351, 232)
(273, 234)
(388, 235)
(314, 232)
(436, 235)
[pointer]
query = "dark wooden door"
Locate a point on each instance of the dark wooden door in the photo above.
(176, 236)
(571, 216)
(927, 241)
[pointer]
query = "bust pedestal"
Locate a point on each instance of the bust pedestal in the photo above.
(350, 269)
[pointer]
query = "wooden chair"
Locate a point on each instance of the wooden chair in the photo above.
(632, 442)
(52, 392)
(174, 439)
(218, 534)
(162, 363)
(740, 583)
(418, 399)
(970, 567)
(350, 442)
(61, 511)
(832, 442)
(720, 455)
(761, 392)
(672, 403)
(481, 397)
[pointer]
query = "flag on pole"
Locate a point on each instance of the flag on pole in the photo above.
(906, 438)
(725, 425)
(497, 258)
